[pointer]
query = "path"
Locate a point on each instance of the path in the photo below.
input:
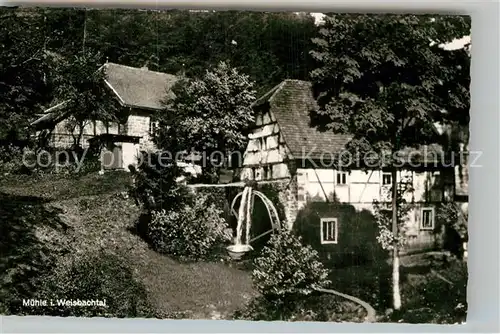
(370, 311)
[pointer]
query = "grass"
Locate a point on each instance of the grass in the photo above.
(90, 214)
(63, 186)
(432, 291)
(46, 221)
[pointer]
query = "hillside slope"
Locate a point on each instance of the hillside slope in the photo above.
(93, 215)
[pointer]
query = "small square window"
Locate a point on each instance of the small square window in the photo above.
(386, 179)
(341, 177)
(329, 230)
(427, 219)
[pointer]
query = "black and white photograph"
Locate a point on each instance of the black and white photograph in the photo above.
(234, 165)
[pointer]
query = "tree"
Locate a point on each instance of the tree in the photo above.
(269, 47)
(208, 116)
(23, 69)
(80, 82)
(385, 80)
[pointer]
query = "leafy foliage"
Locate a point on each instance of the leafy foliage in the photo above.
(385, 80)
(387, 85)
(79, 83)
(357, 242)
(287, 268)
(47, 53)
(207, 115)
(286, 274)
(451, 215)
(191, 232)
(383, 216)
(314, 307)
(11, 159)
(155, 184)
(23, 68)
(424, 302)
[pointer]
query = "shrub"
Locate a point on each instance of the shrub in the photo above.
(11, 159)
(287, 271)
(14, 160)
(95, 277)
(190, 232)
(155, 184)
(315, 307)
(423, 300)
(455, 222)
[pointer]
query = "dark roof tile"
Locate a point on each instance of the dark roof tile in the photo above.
(139, 87)
(291, 103)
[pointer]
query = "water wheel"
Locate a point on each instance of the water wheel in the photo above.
(261, 226)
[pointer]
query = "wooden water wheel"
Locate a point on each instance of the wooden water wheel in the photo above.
(275, 223)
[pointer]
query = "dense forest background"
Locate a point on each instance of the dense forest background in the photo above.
(36, 42)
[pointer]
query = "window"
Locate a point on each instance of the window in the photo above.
(386, 179)
(329, 231)
(437, 178)
(341, 177)
(153, 126)
(262, 142)
(268, 172)
(427, 216)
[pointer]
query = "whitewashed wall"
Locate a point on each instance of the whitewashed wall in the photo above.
(364, 187)
(138, 124)
(130, 154)
(266, 147)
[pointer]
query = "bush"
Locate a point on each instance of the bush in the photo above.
(423, 300)
(14, 160)
(95, 277)
(287, 271)
(315, 307)
(456, 231)
(156, 187)
(11, 159)
(191, 232)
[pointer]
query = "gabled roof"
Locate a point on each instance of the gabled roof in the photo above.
(51, 116)
(139, 87)
(134, 87)
(291, 103)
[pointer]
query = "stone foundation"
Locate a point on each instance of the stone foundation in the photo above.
(288, 198)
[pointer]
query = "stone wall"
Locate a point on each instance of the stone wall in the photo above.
(289, 199)
(138, 124)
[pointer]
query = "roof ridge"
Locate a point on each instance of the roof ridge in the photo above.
(139, 68)
(277, 90)
(278, 122)
(269, 95)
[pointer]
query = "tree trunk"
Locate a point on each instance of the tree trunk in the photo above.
(396, 294)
